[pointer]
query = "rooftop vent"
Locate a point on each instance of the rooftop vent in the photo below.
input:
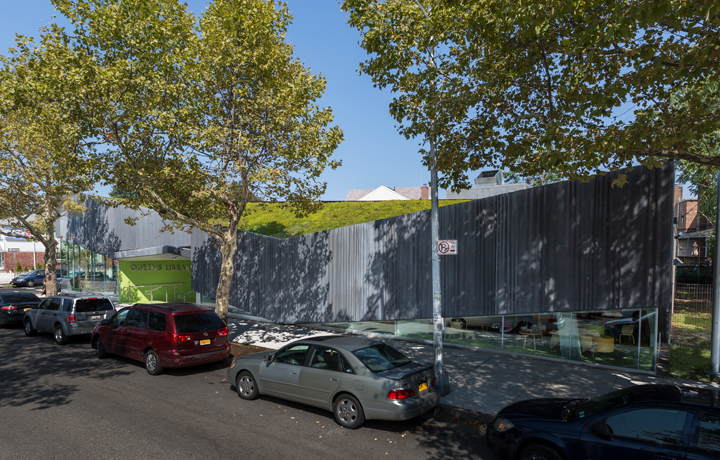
(494, 177)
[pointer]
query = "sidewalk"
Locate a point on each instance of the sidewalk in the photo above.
(482, 382)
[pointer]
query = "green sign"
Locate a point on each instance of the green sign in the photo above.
(155, 281)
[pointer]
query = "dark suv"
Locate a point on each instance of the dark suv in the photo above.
(13, 306)
(164, 335)
(66, 315)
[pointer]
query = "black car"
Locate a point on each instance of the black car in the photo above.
(645, 422)
(13, 306)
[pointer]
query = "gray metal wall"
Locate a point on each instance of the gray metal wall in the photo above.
(103, 230)
(560, 247)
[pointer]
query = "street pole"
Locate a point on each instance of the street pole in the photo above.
(715, 342)
(438, 321)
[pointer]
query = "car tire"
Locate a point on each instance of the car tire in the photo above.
(348, 412)
(30, 283)
(246, 386)
(30, 331)
(100, 347)
(152, 363)
(59, 335)
(539, 452)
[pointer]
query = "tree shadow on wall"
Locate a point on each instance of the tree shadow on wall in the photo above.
(91, 230)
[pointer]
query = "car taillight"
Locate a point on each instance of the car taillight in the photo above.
(71, 319)
(13, 307)
(434, 381)
(400, 393)
(178, 337)
(223, 332)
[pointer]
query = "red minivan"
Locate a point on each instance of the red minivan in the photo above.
(164, 335)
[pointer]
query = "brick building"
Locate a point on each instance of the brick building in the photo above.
(693, 229)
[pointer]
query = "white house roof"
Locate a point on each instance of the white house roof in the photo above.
(382, 193)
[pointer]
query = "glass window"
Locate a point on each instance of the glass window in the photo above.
(292, 355)
(119, 318)
(67, 305)
(604, 403)
(156, 321)
(28, 297)
(137, 318)
(658, 425)
(709, 432)
(198, 322)
(44, 304)
(10, 299)
(381, 357)
(88, 305)
(346, 368)
(324, 358)
(54, 305)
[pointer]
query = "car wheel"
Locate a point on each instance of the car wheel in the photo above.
(100, 347)
(30, 331)
(30, 283)
(539, 452)
(60, 337)
(348, 412)
(246, 386)
(152, 363)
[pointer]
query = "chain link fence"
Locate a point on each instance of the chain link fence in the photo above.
(692, 315)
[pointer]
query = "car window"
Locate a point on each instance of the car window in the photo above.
(292, 355)
(156, 321)
(119, 318)
(324, 358)
(604, 403)
(44, 304)
(709, 433)
(67, 305)
(28, 297)
(137, 318)
(658, 425)
(346, 368)
(198, 322)
(381, 357)
(13, 298)
(88, 305)
(54, 305)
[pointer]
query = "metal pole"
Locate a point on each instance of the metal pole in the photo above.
(715, 343)
(438, 320)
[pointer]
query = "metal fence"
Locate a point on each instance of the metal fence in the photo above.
(692, 315)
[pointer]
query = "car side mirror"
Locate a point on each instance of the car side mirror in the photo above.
(104, 322)
(601, 429)
(269, 358)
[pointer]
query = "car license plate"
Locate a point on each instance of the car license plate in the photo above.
(205, 342)
(94, 317)
(26, 309)
(422, 387)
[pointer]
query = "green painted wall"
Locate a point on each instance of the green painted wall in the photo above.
(154, 272)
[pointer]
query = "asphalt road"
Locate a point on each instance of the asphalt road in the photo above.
(64, 403)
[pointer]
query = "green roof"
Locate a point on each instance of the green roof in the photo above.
(276, 221)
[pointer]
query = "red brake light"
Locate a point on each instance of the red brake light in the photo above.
(71, 319)
(93, 298)
(13, 307)
(171, 337)
(400, 393)
(222, 332)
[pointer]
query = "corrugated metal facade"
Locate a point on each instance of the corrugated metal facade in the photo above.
(561, 247)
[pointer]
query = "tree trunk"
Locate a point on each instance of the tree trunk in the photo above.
(228, 248)
(50, 259)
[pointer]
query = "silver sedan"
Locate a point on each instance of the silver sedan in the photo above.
(356, 378)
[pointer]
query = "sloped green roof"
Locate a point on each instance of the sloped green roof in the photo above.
(276, 221)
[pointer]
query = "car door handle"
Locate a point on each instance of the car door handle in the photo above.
(293, 373)
(334, 380)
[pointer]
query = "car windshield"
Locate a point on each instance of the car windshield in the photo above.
(381, 357)
(604, 403)
(198, 322)
(88, 305)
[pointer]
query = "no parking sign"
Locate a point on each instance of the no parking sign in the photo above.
(447, 247)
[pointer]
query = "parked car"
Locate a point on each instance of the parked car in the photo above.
(355, 378)
(13, 306)
(32, 278)
(66, 315)
(164, 335)
(645, 422)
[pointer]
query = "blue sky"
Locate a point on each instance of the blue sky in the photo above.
(373, 152)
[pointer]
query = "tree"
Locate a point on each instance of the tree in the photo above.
(42, 149)
(199, 124)
(548, 85)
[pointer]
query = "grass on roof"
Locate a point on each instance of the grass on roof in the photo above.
(276, 221)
